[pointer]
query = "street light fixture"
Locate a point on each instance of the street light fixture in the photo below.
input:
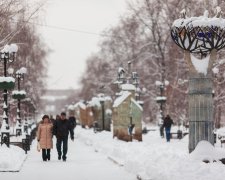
(161, 100)
(102, 102)
(20, 95)
(7, 55)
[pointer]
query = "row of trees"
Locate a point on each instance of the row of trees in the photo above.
(142, 36)
(16, 27)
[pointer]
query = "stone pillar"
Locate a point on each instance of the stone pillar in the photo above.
(200, 111)
(200, 105)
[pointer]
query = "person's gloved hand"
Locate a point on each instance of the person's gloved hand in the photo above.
(72, 138)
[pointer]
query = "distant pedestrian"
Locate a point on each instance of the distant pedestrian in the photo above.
(167, 124)
(44, 137)
(52, 119)
(72, 121)
(57, 117)
(61, 130)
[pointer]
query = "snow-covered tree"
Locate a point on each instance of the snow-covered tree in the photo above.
(142, 37)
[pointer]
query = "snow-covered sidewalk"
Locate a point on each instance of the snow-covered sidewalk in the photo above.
(155, 159)
(83, 164)
(100, 157)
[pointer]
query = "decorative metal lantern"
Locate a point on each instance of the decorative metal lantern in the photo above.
(18, 96)
(7, 85)
(199, 34)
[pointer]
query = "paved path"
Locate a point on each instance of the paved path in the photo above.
(82, 164)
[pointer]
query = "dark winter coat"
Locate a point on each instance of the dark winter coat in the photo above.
(167, 122)
(61, 129)
(72, 121)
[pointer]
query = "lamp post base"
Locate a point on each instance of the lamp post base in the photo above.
(5, 138)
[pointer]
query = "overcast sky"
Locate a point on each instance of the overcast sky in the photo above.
(70, 48)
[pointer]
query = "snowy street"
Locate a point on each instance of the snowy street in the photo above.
(97, 156)
(83, 163)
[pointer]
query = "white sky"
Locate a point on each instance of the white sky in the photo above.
(70, 49)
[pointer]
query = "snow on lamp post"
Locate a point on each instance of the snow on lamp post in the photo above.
(7, 55)
(200, 38)
(18, 94)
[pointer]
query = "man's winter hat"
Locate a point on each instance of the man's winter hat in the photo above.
(45, 116)
(63, 114)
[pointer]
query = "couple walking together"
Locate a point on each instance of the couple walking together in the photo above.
(61, 129)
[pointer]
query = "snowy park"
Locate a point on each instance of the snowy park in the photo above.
(112, 90)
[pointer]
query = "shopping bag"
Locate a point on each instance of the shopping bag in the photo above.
(38, 147)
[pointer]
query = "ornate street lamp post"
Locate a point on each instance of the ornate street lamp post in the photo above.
(135, 82)
(102, 102)
(18, 94)
(7, 55)
(161, 99)
(200, 38)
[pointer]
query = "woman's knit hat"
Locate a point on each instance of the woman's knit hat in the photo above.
(45, 116)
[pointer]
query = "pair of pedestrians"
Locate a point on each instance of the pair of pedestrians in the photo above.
(61, 129)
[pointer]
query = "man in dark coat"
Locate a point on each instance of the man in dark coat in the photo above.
(72, 121)
(167, 124)
(61, 130)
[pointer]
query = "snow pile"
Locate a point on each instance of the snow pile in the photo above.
(21, 92)
(11, 159)
(154, 158)
(159, 83)
(7, 79)
(201, 21)
(215, 70)
(95, 102)
(80, 105)
(128, 87)
(205, 151)
(71, 107)
(200, 65)
(120, 99)
(10, 48)
(161, 98)
(108, 98)
(22, 70)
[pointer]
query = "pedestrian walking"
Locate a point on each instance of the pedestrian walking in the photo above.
(44, 137)
(167, 124)
(57, 117)
(72, 121)
(51, 119)
(61, 130)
